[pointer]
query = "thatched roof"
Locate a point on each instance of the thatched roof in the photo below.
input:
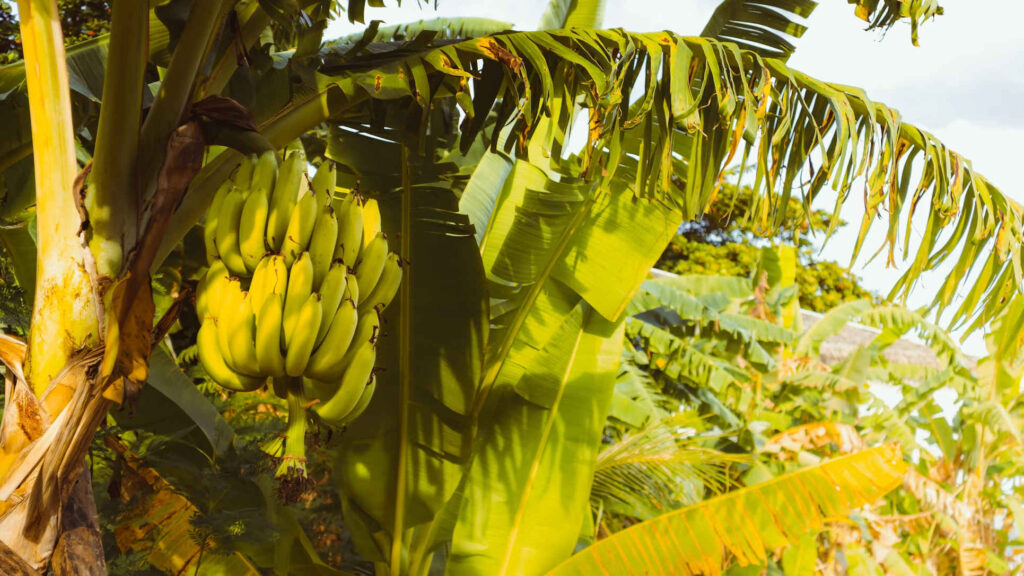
(853, 336)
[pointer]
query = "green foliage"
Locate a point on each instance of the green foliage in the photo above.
(725, 241)
(81, 20)
(14, 312)
(770, 399)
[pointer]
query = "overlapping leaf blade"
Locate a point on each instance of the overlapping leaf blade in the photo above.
(745, 524)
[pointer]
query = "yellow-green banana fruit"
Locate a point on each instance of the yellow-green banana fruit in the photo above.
(213, 362)
(371, 221)
(328, 361)
(242, 176)
(322, 243)
(350, 230)
(333, 292)
(301, 346)
(211, 289)
(324, 182)
(285, 196)
(264, 175)
(227, 232)
(210, 226)
(352, 385)
(387, 285)
(300, 286)
(367, 330)
(241, 324)
(371, 264)
(300, 228)
(252, 229)
(298, 276)
(364, 401)
(268, 336)
(317, 390)
(270, 277)
(230, 306)
(359, 408)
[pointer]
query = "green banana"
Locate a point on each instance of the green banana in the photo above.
(350, 226)
(359, 408)
(300, 286)
(367, 330)
(286, 194)
(324, 182)
(333, 292)
(371, 264)
(252, 228)
(322, 243)
(351, 387)
(227, 232)
(213, 362)
(270, 277)
(371, 222)
(317, 390)
(328, 360)
(242, 342)
(300, 228)
(301, 346)
(268, 336)
(387, 286)
(210, 227)
(351, 289)
(364, 401)
(265, 173)
(242, 176)
(211, 288)
(258, 289)
(230, 304)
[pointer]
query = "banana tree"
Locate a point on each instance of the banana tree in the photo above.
(525, 246)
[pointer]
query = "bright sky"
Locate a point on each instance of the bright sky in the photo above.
(963, 83)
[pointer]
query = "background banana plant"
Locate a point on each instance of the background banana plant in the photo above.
(526, 243)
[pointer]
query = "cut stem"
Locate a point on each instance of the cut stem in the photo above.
(291, 473)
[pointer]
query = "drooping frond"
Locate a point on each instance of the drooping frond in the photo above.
(769, 27)
(659, 469)
(668, 115)
(747, 524)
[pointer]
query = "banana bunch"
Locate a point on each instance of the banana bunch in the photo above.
(296, 283)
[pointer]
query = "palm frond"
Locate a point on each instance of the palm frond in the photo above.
(660, 468)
